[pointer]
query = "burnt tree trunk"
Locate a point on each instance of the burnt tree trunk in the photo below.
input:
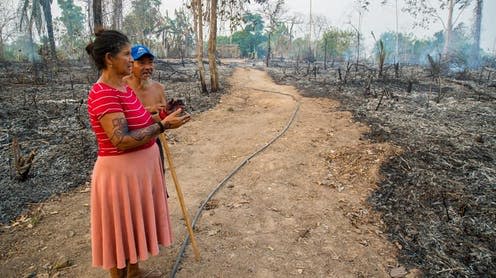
(212, 48)
(325, 53)
(97, 15)
(47, 11)
(198, 14)
(477, 33)
(268, 52)
(117, 14)
(449, 29)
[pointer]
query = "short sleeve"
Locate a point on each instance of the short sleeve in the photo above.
(102, 101)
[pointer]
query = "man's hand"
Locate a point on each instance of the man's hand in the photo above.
(156, 108)
(157, 111)
(174, 104)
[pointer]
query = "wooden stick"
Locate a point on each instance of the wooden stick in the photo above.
(165, 149)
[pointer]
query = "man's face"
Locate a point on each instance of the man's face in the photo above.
(143, 67)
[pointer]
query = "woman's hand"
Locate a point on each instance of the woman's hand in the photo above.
(173, 120)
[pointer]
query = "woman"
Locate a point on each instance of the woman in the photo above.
(129, 214)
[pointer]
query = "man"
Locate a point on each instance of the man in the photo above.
(151, 93)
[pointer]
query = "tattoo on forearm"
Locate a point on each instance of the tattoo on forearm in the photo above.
(143, 133)
(121, 130)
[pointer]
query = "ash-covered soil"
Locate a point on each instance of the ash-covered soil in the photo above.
(47, 113)
(438, 197)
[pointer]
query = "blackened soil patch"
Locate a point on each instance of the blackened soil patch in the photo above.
(437, 198)
(46, 112)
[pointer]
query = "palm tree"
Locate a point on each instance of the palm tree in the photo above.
(41, 12)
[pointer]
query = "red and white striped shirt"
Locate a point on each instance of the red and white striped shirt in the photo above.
(104, 99)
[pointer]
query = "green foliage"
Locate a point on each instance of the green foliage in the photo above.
(299, 48)
(461, 45)
(419, 50)
(20, 50)
(71, 36)
(388, 41)
(249, 44)
(178, 33)
(72, 17)
(414, 51)
(488, 60)
(280, 40)
(233, 11)
(38, 13)
(250, 39)
(223, 40)
(144, 21)
(337, 43)
(253, 23)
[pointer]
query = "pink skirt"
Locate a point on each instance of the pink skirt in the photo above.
(129, 213)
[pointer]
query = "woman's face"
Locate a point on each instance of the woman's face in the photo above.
(122, 62)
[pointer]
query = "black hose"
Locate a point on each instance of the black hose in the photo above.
(219, 186)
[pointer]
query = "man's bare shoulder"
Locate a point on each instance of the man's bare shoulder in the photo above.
(157, 86)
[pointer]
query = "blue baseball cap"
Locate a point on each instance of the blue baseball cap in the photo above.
(139, 50)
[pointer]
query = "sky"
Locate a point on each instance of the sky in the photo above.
(380, 18)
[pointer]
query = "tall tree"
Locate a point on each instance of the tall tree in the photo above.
(427, 13)
(273, 12)
(336, 43)
(361, 6)
(89, 14)
(144, 21)
(196, 6)
(233, 11)
(477, 32)
(41, 12)
(7, 17)
(291, 22)
(71, 17)
(280, 40)
(230, 9)
(177, 34)
(250, 38)
(449, 27)
(47, 12)
(319, 25)
(73, 20)
(212, 48)
(117, 14)
(97, 15)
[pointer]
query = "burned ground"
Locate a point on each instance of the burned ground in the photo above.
(47, 113)
(438, 196)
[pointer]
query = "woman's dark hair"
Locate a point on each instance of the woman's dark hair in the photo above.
(106, 41)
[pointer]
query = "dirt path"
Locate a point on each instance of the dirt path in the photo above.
(297, 209)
